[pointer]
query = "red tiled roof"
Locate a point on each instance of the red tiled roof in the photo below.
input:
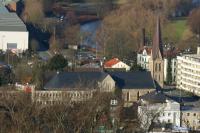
(111, 62)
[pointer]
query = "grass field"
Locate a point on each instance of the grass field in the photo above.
(179, 26)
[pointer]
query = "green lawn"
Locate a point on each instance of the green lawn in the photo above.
(176, 29)
(181, 26)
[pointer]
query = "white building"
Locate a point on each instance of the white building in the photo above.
(144, 55)
(115, 63)
(155, 107)
(13, 32)
(188, 72)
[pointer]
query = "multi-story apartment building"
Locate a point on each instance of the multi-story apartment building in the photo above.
(188, 72)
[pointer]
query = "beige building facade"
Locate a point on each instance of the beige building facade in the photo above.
(132, 95)
(191, 119)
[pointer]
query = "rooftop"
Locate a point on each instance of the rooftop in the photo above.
(191, 106)
(154, 97)
(133, 80)
(111, 62)
(10, 21)
(194, 56)
(76, 80)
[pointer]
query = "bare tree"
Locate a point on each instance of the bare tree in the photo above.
(19, 114)
(33, 12)
(148, 115)
(194, 21)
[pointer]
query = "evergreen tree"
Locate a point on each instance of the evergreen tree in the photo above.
(169, 70)
(58, 62)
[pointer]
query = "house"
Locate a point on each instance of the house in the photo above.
(190, 116)
(13, 32)
(133, 85)
(156, 108)
(74, 86)
(143, 57)
(115, 63)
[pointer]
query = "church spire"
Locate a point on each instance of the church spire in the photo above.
(157, 48)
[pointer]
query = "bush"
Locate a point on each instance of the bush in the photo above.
(58, 62)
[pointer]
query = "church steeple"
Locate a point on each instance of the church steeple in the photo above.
(157, 48)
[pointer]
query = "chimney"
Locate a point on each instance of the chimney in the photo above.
(143, 37)
(198, 50)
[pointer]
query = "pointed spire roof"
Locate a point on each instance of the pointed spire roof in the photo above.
(157, 48)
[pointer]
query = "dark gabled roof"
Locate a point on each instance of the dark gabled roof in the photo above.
(154, 97)
(133, 80)
(77, 80)
(157, 48)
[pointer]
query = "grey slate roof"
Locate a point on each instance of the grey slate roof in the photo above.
(154, 97)
(133, 80)
(76, 80)
(11, 22)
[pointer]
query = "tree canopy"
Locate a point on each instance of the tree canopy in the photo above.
(58, 62)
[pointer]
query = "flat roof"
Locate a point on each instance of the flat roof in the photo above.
(11, 22)
(195, 56)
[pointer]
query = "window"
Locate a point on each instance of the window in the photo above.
(169, 114)
(156, 67)
(194, 114)
(188, 114)
(168, 121)
(127, 96)
(159, 66)
(163, 114)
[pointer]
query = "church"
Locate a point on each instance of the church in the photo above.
(151, 57)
